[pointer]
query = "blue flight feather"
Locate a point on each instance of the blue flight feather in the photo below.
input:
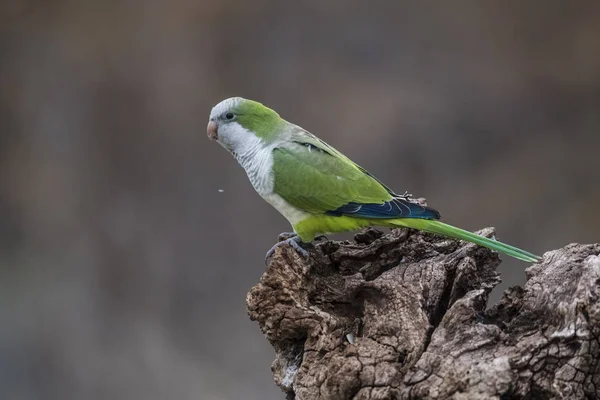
(396, 208)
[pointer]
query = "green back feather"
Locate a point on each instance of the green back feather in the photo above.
(313, 179)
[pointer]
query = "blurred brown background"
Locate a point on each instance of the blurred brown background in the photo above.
(124, 269)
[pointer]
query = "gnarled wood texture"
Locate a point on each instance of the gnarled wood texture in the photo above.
(415, 307)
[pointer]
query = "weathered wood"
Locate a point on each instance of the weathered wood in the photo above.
(416, 305)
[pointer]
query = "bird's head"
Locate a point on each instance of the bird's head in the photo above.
(236, 121)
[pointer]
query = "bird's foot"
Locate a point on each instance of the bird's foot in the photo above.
(287, 238)
(286, 235)
(296, 244)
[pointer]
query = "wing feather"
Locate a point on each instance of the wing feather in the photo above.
(315, 177)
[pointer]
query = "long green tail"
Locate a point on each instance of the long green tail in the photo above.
(440, 228)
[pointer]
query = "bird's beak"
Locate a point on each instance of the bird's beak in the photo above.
(211, 130)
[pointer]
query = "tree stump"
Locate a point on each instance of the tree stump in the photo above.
(404, 316)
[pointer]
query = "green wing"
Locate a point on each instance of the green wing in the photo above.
(313, 176)
(316, 181)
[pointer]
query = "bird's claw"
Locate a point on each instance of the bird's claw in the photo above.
(286, 235)
(295, 243)
(293, 240)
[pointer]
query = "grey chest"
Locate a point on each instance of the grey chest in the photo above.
(259, 168)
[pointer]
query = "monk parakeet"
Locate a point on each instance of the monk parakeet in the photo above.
(318, 189)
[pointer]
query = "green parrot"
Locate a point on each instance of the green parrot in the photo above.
(318, 189)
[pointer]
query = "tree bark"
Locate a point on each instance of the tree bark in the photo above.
(404, 316)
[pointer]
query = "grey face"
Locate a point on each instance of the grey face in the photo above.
(226, 130)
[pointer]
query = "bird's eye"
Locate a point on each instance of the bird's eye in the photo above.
(229, 115)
